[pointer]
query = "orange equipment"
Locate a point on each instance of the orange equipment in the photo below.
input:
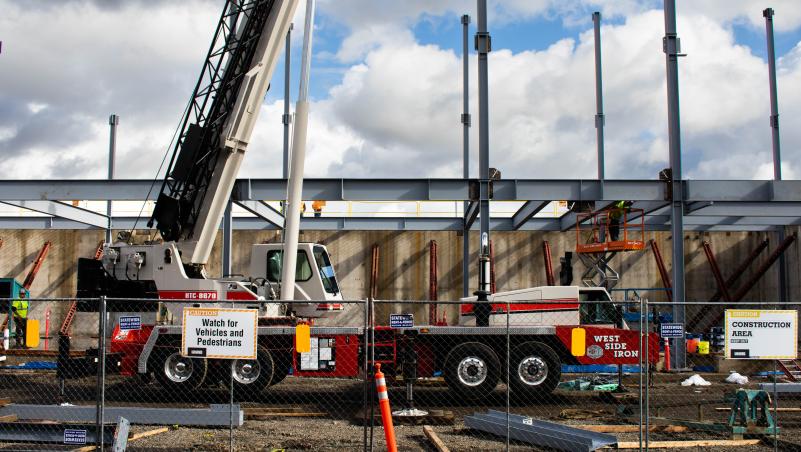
(631, 226)
(386, 413)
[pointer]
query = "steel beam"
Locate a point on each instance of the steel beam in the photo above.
(214, 415)
(419, 190)
(749, 209)
(58, 209)
(527, 211)
(264, 211)
(470, 214)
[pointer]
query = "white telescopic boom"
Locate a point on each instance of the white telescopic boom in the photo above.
(295, 183)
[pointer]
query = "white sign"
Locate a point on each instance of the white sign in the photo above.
(219, 333)
(761, 334)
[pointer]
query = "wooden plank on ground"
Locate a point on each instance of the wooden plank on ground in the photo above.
(434, 438)
(697, 443)
(4, 402)
(269, 416)
(8, 418)
(633, 428)
(145, 434)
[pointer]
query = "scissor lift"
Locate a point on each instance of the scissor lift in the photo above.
(595, 245)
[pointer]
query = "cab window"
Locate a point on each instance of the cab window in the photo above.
(601, 313)
(326, 270)
(303, 270)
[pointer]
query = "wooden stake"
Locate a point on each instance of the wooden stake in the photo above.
(434, 438)
(634, 428)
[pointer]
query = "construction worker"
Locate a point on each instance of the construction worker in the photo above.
(317, 207)
(615, 214)
(19, 309)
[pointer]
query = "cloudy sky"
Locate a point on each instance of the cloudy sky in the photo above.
(386, 87)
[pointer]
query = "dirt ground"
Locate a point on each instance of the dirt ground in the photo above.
(339, 401)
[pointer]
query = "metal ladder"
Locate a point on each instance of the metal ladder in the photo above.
(599, 273)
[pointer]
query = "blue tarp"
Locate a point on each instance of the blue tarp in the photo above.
(33, 365)
(599, 369)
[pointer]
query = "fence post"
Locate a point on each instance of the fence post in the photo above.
(639, 353)
(101, 371)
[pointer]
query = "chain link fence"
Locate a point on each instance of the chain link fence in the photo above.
(543, 370)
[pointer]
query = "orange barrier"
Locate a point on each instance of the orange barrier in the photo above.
(667, 355)
(386, 413)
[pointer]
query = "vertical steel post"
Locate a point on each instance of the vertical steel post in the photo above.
(465, 154)
(101, 370)
(227, 240)
(286, 119)
(671, 47)
(483, 47)
(774, 128)
(113, 122)
(599, 96)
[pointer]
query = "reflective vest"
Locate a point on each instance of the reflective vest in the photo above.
(617, 212)
(20, 308)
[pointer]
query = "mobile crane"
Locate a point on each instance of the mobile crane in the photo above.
(214, 135)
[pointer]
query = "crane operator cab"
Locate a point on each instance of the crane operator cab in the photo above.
(315, 280)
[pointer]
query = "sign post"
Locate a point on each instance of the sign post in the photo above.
(219, 333)
(761, 334)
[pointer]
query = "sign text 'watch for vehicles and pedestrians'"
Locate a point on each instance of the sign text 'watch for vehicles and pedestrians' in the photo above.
(219, 333)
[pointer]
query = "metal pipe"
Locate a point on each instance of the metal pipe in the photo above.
(101, 370)
(493, 287)
(599, 97)
(713, 263)
(465, 154)
(546, 254)
(227, 240)
(286, 119)
(741, 269)
(660, 265)
(295, 195)
(113, 122)
(432, 282)
(671, 47)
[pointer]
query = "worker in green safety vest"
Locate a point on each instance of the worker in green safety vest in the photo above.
(615, 214)
(19, 309)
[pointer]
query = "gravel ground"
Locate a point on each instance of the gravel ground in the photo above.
(340, 400)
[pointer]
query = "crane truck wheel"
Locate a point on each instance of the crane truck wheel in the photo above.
(251, 376)
(472, 370)
(174, 371)
(535, 370)
(283, 361)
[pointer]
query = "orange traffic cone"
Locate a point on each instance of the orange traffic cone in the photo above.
(667, 355)
(386, 413)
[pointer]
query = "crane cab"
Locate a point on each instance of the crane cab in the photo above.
(315, 280)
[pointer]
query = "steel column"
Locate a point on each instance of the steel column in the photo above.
(599, 99)
(286, 119)
(465, 155)
(483, 47)
(227, 240)
(671, 48)
(774, 128)
(113, 122)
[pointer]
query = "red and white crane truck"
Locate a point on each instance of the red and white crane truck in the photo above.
(157, 281)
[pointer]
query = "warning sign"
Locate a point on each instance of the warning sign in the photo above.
(761, 334)
(219, 333)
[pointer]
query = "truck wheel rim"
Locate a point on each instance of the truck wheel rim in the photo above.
(245, 371)
(532, 370)
(178, 368)
(472, 371)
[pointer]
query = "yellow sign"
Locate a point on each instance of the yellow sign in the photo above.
(302, 338)
(578, 342)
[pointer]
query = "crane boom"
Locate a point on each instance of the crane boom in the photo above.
(218, 123)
